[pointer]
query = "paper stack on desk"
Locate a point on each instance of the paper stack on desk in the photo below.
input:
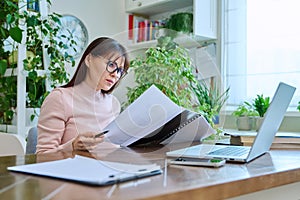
(89, 171)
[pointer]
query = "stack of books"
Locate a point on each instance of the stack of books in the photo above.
(282, 140)
(142, 29)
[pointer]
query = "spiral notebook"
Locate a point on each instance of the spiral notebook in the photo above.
(153, 118)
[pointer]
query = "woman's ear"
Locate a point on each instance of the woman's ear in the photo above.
(87, 60)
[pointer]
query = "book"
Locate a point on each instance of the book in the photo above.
(130, 26)
(89, 170)
(154, 119)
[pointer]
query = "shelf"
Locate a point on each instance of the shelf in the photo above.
(204, 18)
(152, 7)
(14, 72)
(187, 41)
(8, 128)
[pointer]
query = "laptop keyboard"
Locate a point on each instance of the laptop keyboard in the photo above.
(230, 151)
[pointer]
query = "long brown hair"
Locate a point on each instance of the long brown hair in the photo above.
(102, 46)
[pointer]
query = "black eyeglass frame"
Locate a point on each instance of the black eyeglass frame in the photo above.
(116, 68)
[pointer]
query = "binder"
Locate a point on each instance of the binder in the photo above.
(154, 119)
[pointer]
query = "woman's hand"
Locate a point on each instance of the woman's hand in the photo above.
(86, 141)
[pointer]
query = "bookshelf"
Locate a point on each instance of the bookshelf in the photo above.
(204, 19)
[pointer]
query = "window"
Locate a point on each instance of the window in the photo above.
(261, 47)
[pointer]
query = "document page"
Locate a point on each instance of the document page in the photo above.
(88, 170)
(147, 113)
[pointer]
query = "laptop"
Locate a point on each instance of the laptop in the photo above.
(263, 140)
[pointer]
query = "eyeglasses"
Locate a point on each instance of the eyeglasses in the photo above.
(112, 66)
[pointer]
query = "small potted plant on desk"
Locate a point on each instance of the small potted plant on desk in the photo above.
(260, 105)
(245, 116)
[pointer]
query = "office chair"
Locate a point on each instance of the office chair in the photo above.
(11, 144)
(31, 140)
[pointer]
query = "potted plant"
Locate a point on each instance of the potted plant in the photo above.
(43, 41)
(260, 105)
(245, 116)
(179, 22)
(210, 100)
(169, 67)
(298, 107)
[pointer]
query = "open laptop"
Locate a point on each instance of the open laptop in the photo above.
(264, 138)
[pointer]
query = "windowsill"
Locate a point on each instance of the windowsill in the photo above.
(290, 122)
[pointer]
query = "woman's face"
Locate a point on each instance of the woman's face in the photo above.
(97, 74)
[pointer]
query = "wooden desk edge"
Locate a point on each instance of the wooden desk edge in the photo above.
(235, 188)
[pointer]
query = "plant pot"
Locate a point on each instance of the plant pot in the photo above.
(244, 123)
(258, 123)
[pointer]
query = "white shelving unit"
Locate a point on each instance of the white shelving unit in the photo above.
(204, 17)
(21, 129)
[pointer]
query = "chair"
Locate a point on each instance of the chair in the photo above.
(11, 144)
(31, 140)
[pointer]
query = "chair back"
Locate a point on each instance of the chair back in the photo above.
(31, 140)
(11, 144)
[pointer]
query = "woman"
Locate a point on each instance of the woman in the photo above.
(73, 114)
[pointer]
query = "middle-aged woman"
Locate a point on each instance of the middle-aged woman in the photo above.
(73, 114)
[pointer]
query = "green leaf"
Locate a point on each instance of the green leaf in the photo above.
(3, 66)
(4, 33)
(16, 34)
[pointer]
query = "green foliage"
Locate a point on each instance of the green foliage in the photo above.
(169, 67)
(210, 100)
(245, 109)
(43, 36)
(10, 36)
(258, 107)
(298, 107)
(180, 22)
(261, 104)
(8, 98)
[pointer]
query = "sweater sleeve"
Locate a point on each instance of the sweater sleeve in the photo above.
(51, 124)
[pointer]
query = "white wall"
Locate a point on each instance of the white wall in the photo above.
(102, 18)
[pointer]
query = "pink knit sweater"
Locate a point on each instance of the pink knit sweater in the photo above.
(67, 112)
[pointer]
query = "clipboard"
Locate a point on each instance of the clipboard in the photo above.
(89, 171)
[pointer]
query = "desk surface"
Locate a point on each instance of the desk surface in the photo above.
(275, 168)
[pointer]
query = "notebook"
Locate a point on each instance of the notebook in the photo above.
(263, 140)
(89, 171)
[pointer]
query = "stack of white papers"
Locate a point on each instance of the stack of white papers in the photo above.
(89, 171)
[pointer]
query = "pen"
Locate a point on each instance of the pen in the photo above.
(102, 133)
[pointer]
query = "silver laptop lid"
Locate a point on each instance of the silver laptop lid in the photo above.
(272, 120)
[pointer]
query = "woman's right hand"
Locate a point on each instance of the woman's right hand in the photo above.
(86, 141)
